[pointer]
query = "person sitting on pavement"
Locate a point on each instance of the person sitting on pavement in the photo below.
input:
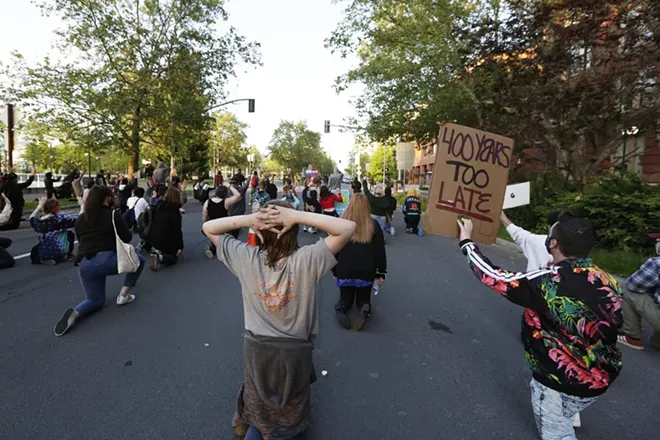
(53, 232)
(328, 200)
(260, 197)
(6, 260)
(389, 229)
(310, 199)
(290, 197)
(136, 206)
(14, 193)
(218, 207)
(412, 211)
(361, 263)
(166, 237)
(572, 314)
(51, 192)
(279, 284)
(124, 191)
(641, 299)
(532, 245)
(378, 203)
(97, 256)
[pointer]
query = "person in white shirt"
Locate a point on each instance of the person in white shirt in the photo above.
(535, 250)
(533, 245)
(136, 205)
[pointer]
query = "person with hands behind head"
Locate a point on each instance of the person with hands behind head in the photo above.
(52, 228)
(572, 314)
(278, 285)
(361, 263)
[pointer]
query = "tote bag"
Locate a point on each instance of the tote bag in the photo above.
(6, 211)
(127, 259)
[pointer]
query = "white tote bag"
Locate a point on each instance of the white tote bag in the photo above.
(6, 211)
(127, 259)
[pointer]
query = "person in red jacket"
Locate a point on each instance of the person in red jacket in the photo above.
(328, 200)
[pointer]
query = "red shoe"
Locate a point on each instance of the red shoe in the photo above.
(635, 344)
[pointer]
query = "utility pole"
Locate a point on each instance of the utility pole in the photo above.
(384, 162)
(10, 136)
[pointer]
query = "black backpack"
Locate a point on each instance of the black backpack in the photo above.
(145, 220)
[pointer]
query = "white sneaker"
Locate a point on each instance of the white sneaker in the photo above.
(208, 253)
(125, 299)
(577, 423)
(392, 230)
(182, 211)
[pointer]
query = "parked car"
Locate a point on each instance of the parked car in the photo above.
(347, 180)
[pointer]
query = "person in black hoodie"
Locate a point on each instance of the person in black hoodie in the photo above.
(165, 236)
(379, 204)
(312, 204)
(360, 264)
(14, 193)
(390, 213)
(271, 189)
(97, 256)
(124, 192)
(48, 183)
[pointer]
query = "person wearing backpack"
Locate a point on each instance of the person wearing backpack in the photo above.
(136, 206)
(218, 207)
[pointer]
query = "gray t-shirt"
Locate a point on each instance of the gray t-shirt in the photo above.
(279, 301)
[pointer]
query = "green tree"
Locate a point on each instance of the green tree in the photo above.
(270, 166)
(295, 146)
(227, 141)
(256, 163)
(128, 80)
(376, 163)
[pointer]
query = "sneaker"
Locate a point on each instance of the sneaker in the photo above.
(635, 344)
(342, 317)
(48, 262)
(125, 299)
(240, 429)
(577, 423)
(409, 231)
(64, 324)
(209, 253)
(362, 317)
(154, 262)
(182, 211)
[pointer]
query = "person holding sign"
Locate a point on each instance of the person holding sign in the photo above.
(532, 245)
(572, 314)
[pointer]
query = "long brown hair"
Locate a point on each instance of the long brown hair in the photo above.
(273, 248)
(173, 196)
(358, 211)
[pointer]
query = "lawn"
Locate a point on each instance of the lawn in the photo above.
(31, 205)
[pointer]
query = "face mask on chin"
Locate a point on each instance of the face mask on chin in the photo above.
(547, 244)
(657, 248)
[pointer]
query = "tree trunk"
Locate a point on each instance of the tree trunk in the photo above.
(133, 162)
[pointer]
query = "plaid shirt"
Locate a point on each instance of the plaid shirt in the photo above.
(647, 277)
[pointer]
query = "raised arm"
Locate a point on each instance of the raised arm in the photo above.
(365, 188)
(27, 183)
(235, 197)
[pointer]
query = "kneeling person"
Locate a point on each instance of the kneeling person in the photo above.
(165, 236)
(52, 228)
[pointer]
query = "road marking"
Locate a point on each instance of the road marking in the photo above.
(18, 257)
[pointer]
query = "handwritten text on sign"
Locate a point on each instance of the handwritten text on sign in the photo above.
(466, 151)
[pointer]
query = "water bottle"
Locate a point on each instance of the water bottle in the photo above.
(376, 288)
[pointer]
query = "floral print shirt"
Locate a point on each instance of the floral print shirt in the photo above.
(570, 323)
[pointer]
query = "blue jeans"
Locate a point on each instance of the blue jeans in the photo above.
(381, 220)
(554, 411)
(92, 275)
(254, 434)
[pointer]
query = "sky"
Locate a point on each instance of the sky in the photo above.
(294, 83)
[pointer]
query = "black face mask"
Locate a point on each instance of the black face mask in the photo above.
(547, 244)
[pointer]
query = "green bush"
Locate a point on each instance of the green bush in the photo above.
(623, 209)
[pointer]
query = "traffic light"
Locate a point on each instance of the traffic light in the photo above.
(250, 105)
(326, 127)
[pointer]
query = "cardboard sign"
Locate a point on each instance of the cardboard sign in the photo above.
(341, 207)
(470, 175)
(516, 195)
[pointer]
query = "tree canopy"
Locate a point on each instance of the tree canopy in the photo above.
(295, 146)
(145, 72)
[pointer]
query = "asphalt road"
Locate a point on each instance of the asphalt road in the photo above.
(169, 365)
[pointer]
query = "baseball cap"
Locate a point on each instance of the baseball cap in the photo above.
(654, 235)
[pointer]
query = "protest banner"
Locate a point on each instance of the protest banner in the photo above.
(341, 207)
(470, 176)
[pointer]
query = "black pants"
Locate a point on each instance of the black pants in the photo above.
(359, 295)
(412, 222)
(6, 260)
(169, 260)
(331, 213)
(34, 253)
